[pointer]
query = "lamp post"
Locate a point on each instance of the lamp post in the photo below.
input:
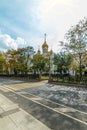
(50, 78)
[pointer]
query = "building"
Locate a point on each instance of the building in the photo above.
(44, 46)
(28, 52)
(47, 54)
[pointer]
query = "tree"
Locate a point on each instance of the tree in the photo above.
(62, 61)
(85, 59)
(16, 61)
(76, 43)
(39, 62)
(2, 63)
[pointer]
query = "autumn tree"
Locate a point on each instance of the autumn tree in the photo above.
(39, 62)
(76, 42)
(16, 61)
(2, 63)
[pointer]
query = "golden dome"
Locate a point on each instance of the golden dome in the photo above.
(44, 46)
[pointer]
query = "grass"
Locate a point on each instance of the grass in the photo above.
(44, 77)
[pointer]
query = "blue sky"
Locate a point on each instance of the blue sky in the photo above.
(24, 22)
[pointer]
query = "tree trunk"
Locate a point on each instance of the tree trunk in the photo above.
(80, 67)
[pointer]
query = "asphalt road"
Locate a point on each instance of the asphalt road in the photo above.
(58, 107)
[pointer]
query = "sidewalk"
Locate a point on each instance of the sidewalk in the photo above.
(18, 85)
(12, 117)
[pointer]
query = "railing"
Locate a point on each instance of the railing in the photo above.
(21, 76)
(56, 77)
(67, 78)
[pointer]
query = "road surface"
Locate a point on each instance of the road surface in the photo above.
(42, 106)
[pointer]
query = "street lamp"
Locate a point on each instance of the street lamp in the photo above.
(50, 78)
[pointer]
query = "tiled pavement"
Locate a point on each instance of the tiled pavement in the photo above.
(12, 117)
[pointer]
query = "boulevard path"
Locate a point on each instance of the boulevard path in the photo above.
(41, 106)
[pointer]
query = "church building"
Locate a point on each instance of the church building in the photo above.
(48, 54)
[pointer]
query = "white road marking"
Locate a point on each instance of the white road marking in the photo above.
(17, 118)
(57, 103)
(48, 107)
(52, 101)
(64, 109)
(40, 123)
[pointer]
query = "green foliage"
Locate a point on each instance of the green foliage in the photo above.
(77, 42)
(40, 63)
(62, 61)
(17, 62)
(77, 37)
(2, 63)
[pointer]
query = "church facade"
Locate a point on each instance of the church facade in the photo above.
(48, 54)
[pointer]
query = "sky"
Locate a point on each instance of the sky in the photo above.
(24, 22)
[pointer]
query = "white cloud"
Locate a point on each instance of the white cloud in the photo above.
(37, 17)
(20, 41)
(56, 17)
(52, 14)
(6, 42)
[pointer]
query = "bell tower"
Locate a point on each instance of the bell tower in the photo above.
(45, 46)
